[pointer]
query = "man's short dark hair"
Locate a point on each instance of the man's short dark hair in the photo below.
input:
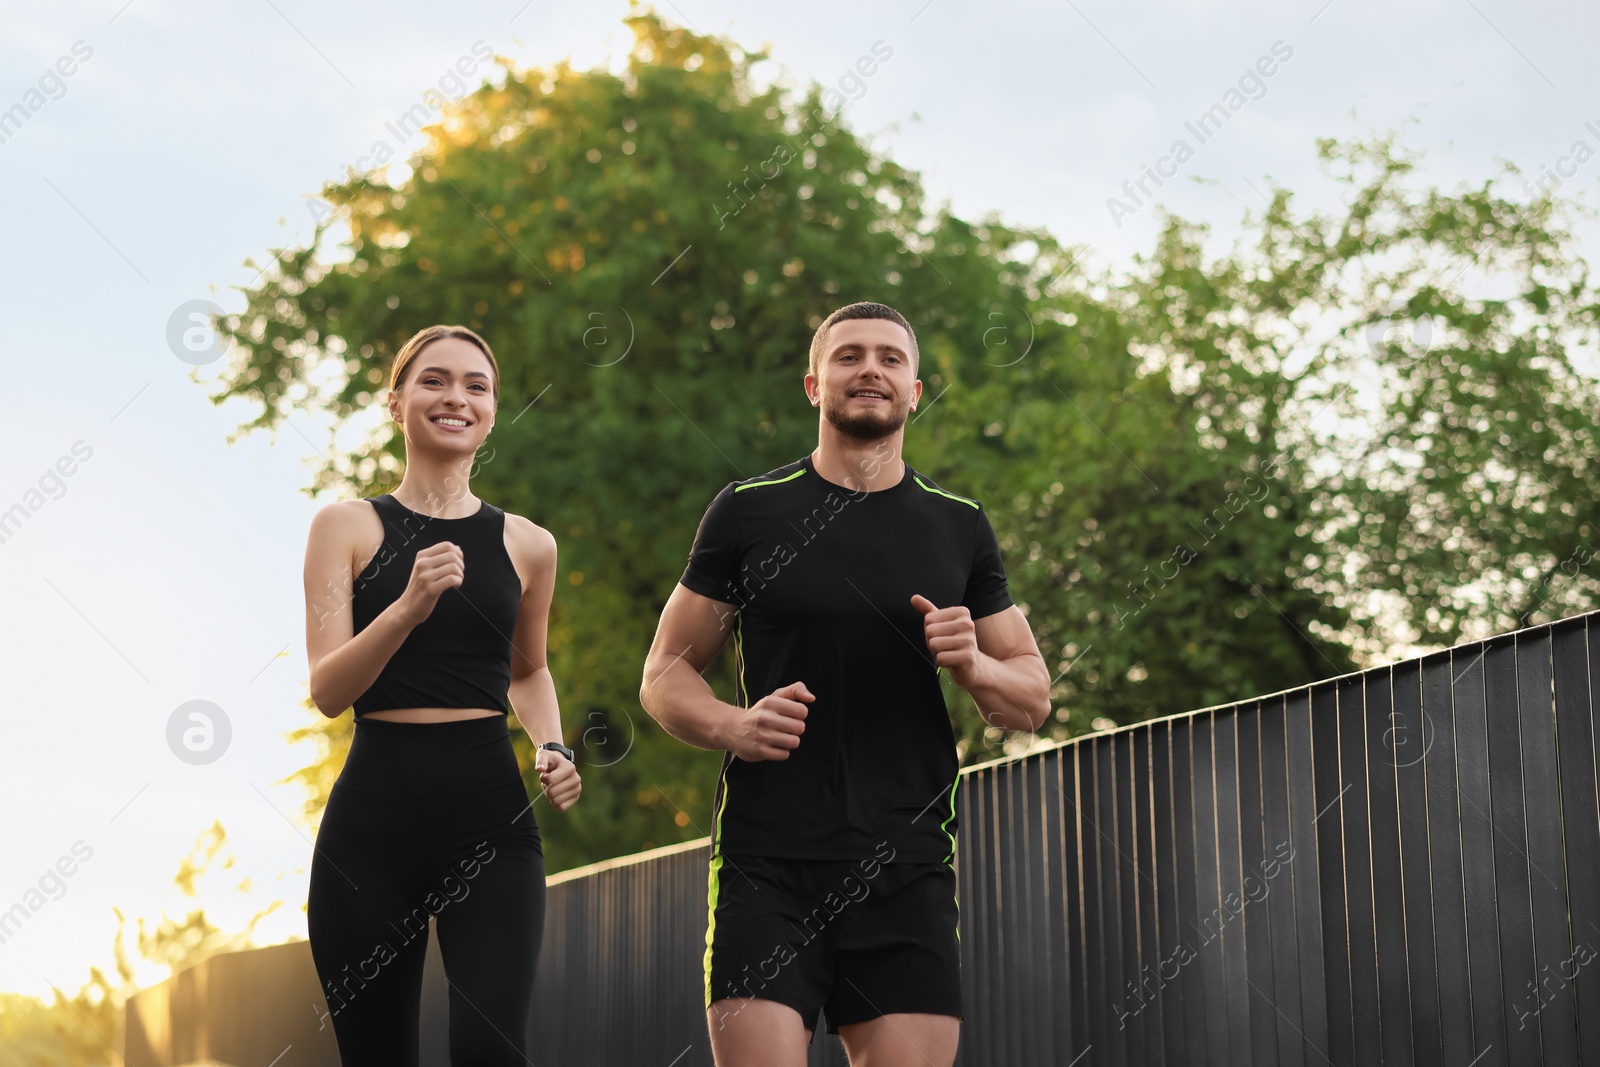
(865, 309)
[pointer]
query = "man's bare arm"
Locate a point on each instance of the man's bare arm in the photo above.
(994, 658)
(1011, 685)
(692, 631)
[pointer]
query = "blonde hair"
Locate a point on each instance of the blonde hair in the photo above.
(423, 338)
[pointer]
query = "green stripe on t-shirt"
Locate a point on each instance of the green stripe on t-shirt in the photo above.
(770, 481)
(941, 492)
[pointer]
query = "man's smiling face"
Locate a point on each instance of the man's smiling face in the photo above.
(866, 381)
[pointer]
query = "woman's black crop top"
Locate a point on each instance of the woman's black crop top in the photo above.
(460, 655)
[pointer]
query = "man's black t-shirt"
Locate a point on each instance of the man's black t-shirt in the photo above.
(821, 577)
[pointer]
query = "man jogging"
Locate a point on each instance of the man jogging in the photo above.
(848, 579)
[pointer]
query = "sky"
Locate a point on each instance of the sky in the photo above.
(154, 146)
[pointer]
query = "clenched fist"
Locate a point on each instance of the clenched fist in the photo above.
(771, 727)
(558, 777)
(435, 569)
(952, 638)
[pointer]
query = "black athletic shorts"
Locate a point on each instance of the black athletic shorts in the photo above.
(858, 939)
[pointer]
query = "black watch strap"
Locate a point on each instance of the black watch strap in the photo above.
(557, 746)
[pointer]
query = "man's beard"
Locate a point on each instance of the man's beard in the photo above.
(867, 426)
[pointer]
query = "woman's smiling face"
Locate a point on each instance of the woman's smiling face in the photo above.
(446, 399)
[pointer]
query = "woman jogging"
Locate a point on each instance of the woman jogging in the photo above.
(426, 610)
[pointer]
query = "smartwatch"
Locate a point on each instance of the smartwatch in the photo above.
(557, 746)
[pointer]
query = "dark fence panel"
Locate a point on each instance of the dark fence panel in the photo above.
(1400, 866)
(1575, 752)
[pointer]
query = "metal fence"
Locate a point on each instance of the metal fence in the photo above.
(1400, 866)
(254, 1008)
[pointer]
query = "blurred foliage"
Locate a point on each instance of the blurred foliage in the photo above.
(81, 1030)
(64, 1032)
(1213, 476)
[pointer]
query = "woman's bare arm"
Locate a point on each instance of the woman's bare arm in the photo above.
(343, 663)
(533, 691)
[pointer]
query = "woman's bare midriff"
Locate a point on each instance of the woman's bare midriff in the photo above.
(431, 714)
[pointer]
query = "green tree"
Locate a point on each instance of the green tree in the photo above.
(1425, 361)
(1350, 432)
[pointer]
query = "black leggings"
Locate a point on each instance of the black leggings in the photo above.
(428, 819)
